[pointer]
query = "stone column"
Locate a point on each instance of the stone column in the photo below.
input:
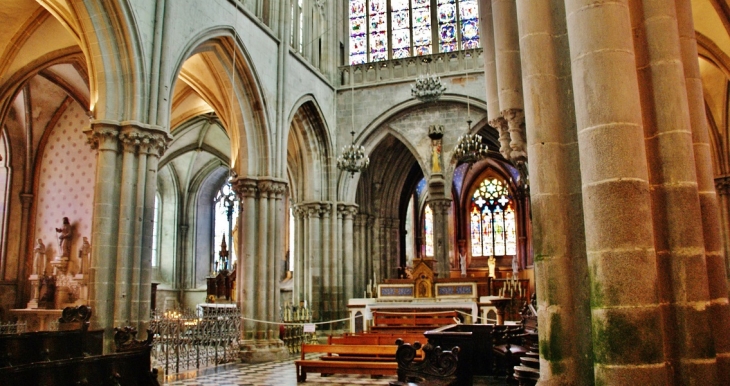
(258, 264)
(441, 243)
(314, 253)
(616, 200)
(715, 258)
(561, 269)
(348, 213)
(509, 75)
(676, 213)
(118, 255)
(247, 190)
(494, 115)
(328, 298)
(298, 256)
(339, 268)
(154, 152)
(103, 262)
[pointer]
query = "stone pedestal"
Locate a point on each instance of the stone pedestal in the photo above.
(262, 350)
(36, 320)
(35, 291)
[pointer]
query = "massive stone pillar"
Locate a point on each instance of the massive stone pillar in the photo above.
(120, 256)
(616, 198)
(679, 241)
(509, 75)
(494, 115)
(715, 258)
(348, 265)
(561, 269)
(256, 273)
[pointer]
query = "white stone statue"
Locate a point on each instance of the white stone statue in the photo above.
(515, 267)
(64, 238)
(492, 262)
(84, 252)
(39, 258)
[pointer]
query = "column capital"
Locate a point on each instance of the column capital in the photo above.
(147, 139)
(274, 188)
(516, 123)
(722, 185)
(440, 206)
(102, 136)
(245, 187)
(348, 211)
(502, 127)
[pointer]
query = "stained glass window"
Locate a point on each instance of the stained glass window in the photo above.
(400, 25)
(492, 220)
(394, 29)
(428, 229)
(378, 27)
(469, 16)
(358, 32)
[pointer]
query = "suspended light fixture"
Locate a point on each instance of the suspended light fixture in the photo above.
(470, 148)
(428, 87)
(353, 158)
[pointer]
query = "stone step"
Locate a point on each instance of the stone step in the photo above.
(525, 372)
(530, 362)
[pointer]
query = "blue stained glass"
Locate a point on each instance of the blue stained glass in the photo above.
(448, 47)
(469, 30)
(357, 44)
(423, 50)
(377, 22)
(447, 32)
(422, 36)
(470, 44)
(417, 3)
(357, 26)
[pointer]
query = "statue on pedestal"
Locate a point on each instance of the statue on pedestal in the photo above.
(462, 261)
(84, 252)
(492, 263)
(515, 267)
(39, 258)
(64, 238)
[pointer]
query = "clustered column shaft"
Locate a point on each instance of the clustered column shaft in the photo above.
(120, 272)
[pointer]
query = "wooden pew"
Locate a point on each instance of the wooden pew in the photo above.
(356, 359)
(377, 339)
(411, 321)
(129, 366)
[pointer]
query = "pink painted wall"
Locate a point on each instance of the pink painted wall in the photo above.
(66, 184)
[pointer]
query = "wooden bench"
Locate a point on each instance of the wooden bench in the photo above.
(377, 339)
(412, 321)
(347, 359)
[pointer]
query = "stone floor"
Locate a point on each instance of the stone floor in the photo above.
(283, 373)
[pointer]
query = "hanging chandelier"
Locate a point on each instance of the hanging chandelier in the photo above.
(428, 87)
(353, 158)
(470, 148)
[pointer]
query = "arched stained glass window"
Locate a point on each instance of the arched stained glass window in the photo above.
(394, 29)
(428, 229)
(492, 220)
(226, 213)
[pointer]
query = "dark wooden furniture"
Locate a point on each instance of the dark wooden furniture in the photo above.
(512, 343)
(411, 321)
(356, 359)
(58, 358)
(438, 367)
(222, 285)
(475, 343)
(376, 339)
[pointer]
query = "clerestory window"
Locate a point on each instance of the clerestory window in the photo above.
(393, 29)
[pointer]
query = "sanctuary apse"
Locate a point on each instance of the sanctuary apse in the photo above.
(606, 121)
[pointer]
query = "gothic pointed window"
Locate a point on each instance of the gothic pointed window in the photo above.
(394, 29)
(492, 220)
(428, 230)
(226, 213)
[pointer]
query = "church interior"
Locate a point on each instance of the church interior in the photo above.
(340, 157)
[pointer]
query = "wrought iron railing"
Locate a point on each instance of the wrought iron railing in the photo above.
(13, 327)
(293, 334)
(186, 340)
